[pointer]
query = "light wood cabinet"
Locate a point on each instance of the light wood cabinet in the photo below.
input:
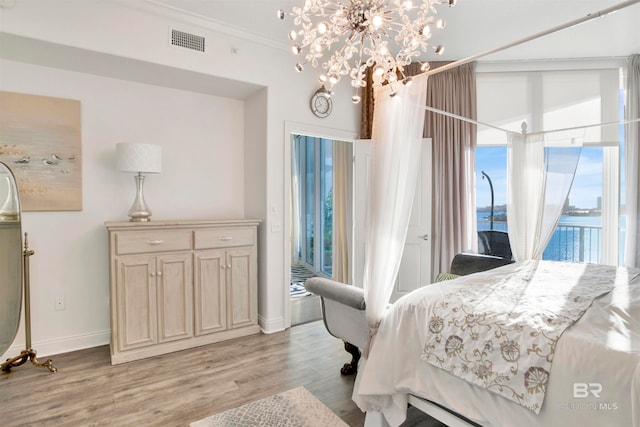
(180, 284)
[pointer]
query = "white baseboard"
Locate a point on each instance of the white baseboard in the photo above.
(60, 346)
(271, 326)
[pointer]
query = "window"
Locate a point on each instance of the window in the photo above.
(314, 163)
(588, 230)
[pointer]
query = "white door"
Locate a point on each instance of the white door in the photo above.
(415, 268)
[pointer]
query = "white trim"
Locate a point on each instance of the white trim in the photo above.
(63, 345)
(272, 326)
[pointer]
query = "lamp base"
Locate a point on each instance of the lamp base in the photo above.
(139, 218)
(139, 211)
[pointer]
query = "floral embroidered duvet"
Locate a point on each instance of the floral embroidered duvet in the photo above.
(501, 335)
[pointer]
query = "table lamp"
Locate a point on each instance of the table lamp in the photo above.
(139, 158)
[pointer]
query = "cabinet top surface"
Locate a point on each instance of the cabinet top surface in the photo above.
(189, 223)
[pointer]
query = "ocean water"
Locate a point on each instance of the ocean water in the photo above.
(576, 239)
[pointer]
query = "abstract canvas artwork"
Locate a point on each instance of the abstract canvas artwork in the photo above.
(40, 142)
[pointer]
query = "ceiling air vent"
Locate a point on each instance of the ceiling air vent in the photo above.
(187, 40)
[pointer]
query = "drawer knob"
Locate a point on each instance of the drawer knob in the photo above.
(226, 238)
(155, 242)
(159, 273)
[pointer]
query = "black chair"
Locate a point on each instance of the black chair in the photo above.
(495, 243)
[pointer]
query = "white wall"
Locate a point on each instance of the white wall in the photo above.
(222, 157)
(203, 177)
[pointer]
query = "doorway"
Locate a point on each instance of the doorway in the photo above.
(321, 222)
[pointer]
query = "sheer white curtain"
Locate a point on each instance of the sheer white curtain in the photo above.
(397, 141)
(295, 200)
(539, 181)
(632, 163)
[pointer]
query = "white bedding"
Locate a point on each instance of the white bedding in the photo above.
(594, 379)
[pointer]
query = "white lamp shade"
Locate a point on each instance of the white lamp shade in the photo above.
(145, 158)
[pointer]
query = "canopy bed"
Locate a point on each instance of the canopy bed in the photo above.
(594, 378)
(410, 354)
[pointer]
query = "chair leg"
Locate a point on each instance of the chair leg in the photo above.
(351, 367)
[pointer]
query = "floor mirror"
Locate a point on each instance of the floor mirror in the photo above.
(14, 274)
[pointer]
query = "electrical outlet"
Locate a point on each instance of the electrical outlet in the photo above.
(59, 303)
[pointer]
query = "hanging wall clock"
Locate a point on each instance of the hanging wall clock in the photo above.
(321, 103)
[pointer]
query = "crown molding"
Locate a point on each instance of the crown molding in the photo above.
(156, 7)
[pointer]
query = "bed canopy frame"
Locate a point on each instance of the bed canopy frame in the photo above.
(374, 289)
(575, 22)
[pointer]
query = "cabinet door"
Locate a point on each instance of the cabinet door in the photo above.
(242, 281)
(136, 302)
(175, 297)
(210, 300)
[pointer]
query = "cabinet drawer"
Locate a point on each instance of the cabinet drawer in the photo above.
(224, 237)
(135, 242)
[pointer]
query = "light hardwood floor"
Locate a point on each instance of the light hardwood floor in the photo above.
(178, 388)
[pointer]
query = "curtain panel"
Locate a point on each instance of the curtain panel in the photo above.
(342, 224)
(294, 194)
(454, 226)
(538, 183)
(395, 162)
(632, 162)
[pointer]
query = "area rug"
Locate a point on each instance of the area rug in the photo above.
(293, 408)
(298, 290)
(299, 275)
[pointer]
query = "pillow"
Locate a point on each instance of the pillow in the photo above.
(446, 276)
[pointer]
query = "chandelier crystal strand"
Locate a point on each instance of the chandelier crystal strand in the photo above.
(344, 37)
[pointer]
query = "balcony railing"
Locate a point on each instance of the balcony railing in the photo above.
(573, 243)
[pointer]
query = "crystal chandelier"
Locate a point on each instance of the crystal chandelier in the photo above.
(355, 34)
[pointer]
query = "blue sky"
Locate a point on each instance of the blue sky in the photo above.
(587, 184)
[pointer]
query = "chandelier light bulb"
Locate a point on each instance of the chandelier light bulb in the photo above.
(340, 36)
(425, 67)
(356, 99)
(322, 78)
(299, 67)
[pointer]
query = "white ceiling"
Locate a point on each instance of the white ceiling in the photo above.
(473, 26)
